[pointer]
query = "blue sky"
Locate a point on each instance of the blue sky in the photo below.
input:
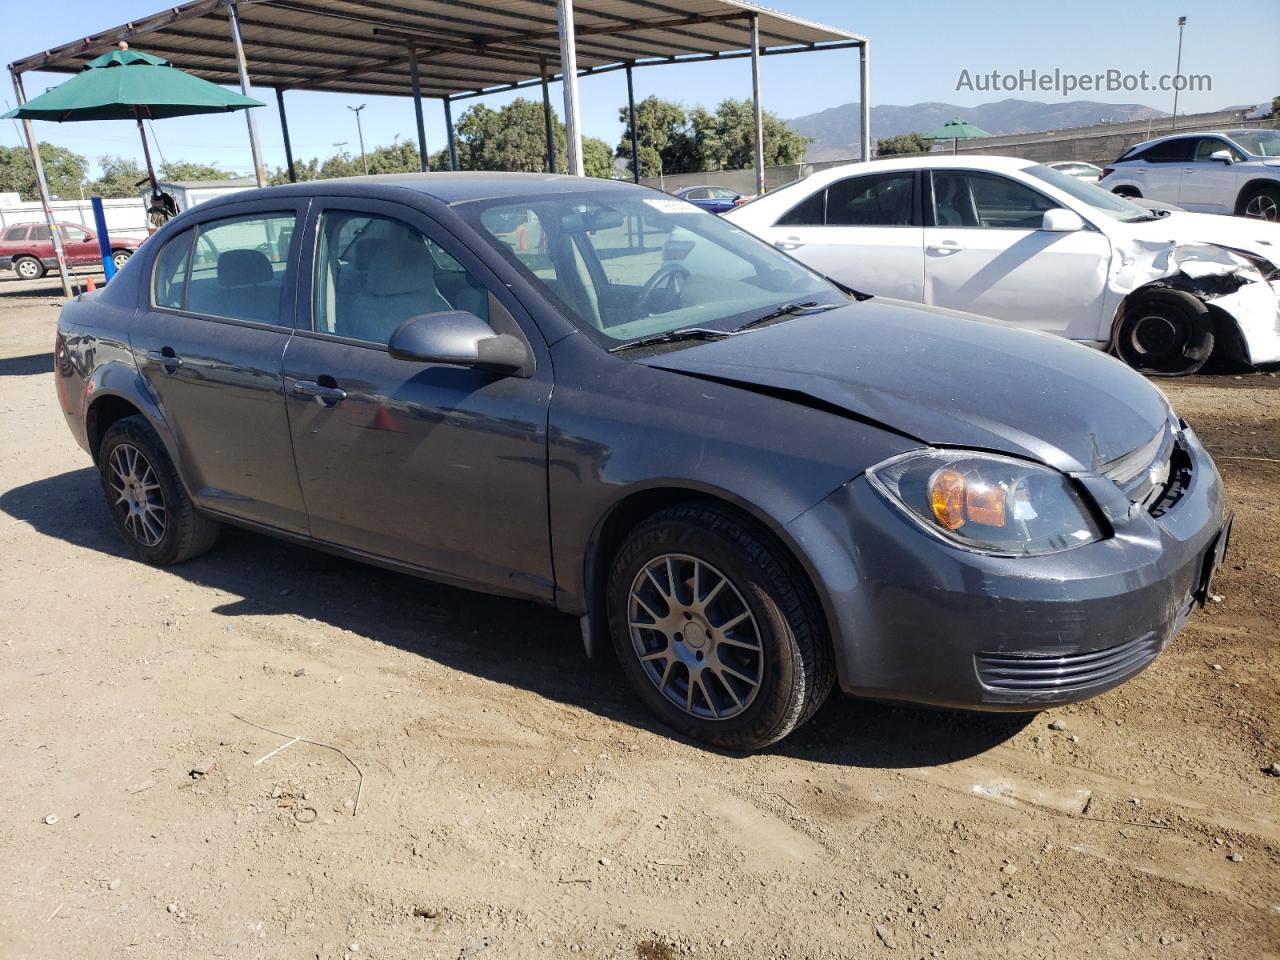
(918, 52)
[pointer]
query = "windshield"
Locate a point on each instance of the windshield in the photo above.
(1104, 201)
(627, 264)
(1260, 143)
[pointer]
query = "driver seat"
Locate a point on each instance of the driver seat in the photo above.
(400, 283)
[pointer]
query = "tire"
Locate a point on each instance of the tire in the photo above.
(118, 257)
(148, 504)
(1130, 192)
(1262, 203)
(28, 268)
(779, 654)
(1165, 333)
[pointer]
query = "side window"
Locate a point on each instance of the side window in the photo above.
(238, 268)
(169, 279)
(699, 194)
(806, 213)
(373, 273)
(878, 201)
(40, 232)
(75, 234)
(966, 199)
(1207, 146)
(1171, 151)
(14, 234)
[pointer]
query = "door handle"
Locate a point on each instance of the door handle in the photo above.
(791, 243)
(946, 247)
(325, 395)
(166, 357)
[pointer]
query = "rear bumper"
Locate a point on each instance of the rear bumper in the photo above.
(6, 263)
(918, 620)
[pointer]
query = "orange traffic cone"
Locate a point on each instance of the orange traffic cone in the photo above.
(89, 285)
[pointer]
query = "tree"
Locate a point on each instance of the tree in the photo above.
(673, 141)
(188, 170)
(64, 171)
(118, 178)
(902, 143)
(597, 158)
(1275, 108)
(512, 138)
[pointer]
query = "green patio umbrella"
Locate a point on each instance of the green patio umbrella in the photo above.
(956, 130)
(131, 85)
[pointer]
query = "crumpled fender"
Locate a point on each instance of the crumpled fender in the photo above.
(1225, 279)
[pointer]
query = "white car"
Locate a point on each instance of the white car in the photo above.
(1230, 171)
(1021, 242)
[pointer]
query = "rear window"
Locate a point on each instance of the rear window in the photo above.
(1171, 151)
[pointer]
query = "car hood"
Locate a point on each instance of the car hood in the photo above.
(942, 378)
(1258, 237)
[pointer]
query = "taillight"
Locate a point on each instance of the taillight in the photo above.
(1106, 171)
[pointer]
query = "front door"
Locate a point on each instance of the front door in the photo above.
(861, 231)
(438, 467)
(80, 246)
(986, 254)
(210, 346)
(1209, 186)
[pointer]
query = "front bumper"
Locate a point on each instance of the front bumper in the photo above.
(916, 619)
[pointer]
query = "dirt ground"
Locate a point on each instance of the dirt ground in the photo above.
(517, 801)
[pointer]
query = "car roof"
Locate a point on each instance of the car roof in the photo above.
(450, 187)
(1189, 133)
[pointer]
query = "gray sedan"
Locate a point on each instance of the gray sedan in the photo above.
(750, 482)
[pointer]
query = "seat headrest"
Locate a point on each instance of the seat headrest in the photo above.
(400, 264)
(365, 252)
(243, 268)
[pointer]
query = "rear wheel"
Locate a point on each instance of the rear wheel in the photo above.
(28, 268)
(118, 257)
(717, 630)
(1130, 192)
(1165, 333)
(1262, 203)
(148, 504)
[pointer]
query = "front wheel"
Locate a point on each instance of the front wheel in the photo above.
(1165, 333)
(1262, 203)
(148, 504)
(28, 268)
(716, 629)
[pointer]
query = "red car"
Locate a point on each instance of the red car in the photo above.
(27, 248)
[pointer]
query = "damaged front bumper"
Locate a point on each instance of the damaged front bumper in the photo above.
(915, 619)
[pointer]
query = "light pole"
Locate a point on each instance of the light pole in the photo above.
(360, 131)
(1177, 73)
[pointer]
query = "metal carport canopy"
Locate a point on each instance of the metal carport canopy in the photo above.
(452, 49)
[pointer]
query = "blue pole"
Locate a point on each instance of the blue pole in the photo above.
(104, 242)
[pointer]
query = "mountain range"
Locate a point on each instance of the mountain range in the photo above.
(835, 131)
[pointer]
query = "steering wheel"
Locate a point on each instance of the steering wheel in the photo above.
(661, 292)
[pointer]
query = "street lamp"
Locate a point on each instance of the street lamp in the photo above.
(1177, 73)
(360, 131)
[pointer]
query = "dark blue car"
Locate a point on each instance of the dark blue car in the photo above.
(715, 199)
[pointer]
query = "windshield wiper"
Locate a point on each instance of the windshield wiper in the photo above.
(673, 336)
(787, 310)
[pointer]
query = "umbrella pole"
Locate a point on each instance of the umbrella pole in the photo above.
(146, 151)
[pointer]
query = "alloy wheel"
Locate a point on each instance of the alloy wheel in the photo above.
(1262, 207)
(697, 640)
(28, 269)
(138, 495)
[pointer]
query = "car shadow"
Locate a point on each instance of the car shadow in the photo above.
(506, 641)
(26, 366)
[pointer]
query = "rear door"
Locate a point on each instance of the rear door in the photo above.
(986, 254)
(1159, 168)
(439, 467)
(210, 343)
(863, 231)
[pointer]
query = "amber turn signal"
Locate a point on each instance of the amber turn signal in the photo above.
(946, 497)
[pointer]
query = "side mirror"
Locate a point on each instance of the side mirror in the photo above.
(1222, 156)
(459, 339)
(1059, 220)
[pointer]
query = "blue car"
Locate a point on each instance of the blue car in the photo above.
(715, 199)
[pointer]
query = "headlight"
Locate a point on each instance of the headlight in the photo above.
(986, 502)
